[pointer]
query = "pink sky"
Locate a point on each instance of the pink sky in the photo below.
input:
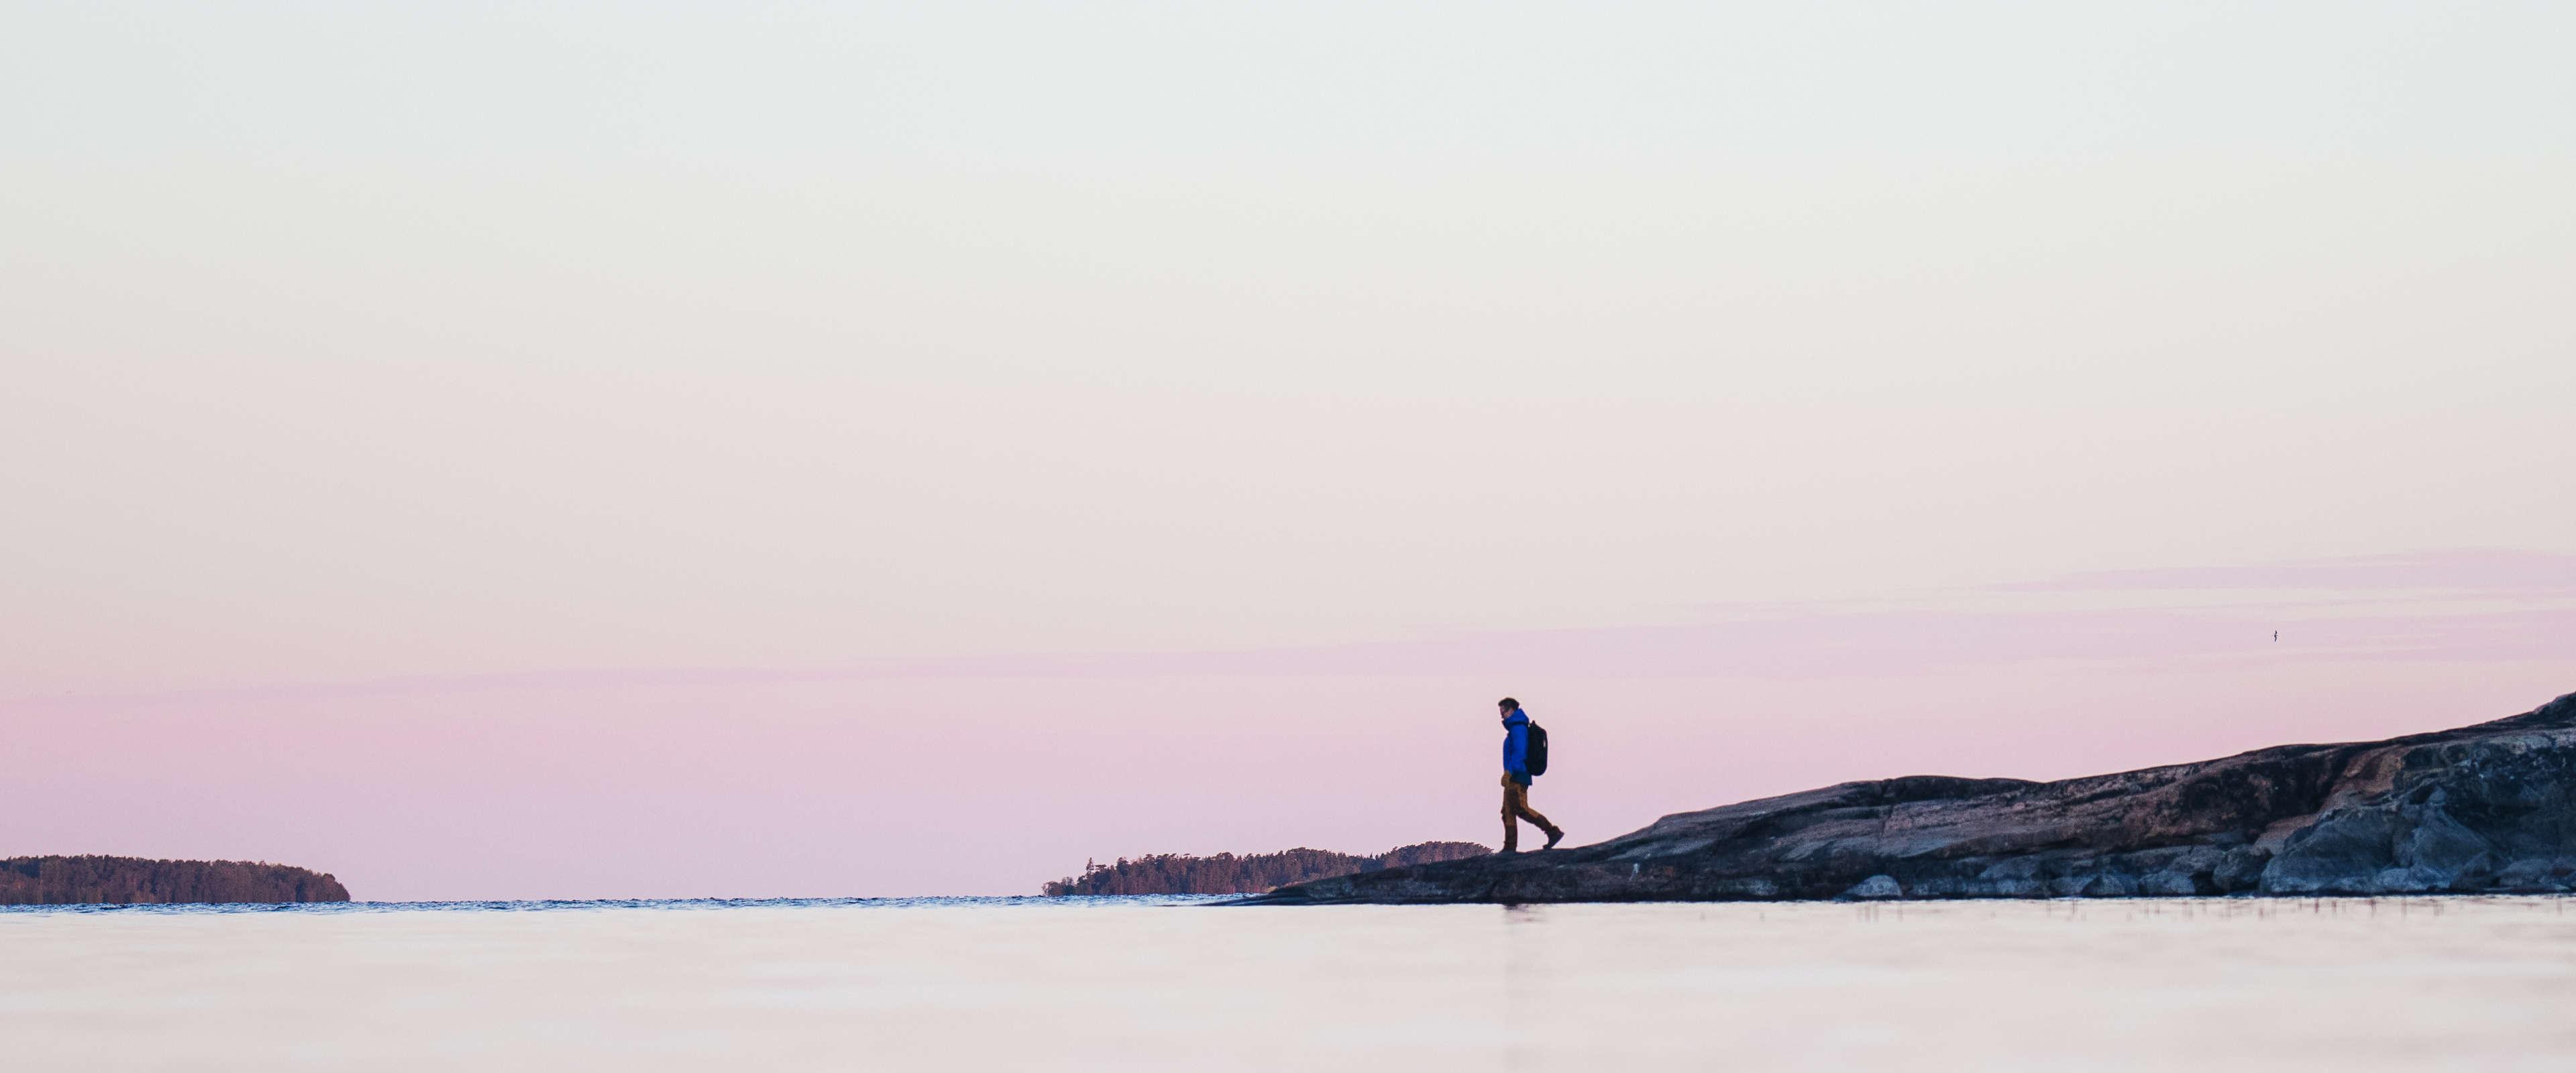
(565, 450)
(989, 775)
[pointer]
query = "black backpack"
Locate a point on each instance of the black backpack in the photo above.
(1536, 759)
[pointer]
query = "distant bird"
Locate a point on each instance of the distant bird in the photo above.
(2276, 635)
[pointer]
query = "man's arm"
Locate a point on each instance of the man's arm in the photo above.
(1516, 750)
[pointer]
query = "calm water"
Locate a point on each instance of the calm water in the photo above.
(2473, 983)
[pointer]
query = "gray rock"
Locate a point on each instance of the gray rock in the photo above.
(2546, 875)
(2111, 885)
(1875, 887)
(2171, 885)
(2239, 870)
(2490, 807)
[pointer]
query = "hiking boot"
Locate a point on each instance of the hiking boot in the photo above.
(1554, 837)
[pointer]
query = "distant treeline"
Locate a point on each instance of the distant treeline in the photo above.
(122, 880)
(1225, 873)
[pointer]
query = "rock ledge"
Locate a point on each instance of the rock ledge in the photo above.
(2489, 808)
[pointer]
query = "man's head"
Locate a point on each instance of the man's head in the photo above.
(1508, 706)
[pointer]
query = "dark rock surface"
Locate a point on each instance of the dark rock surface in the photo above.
(92, 880)
(2486, 808)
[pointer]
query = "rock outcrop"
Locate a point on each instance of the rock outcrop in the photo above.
(2489, 808)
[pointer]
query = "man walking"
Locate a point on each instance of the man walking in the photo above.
(1516, 781)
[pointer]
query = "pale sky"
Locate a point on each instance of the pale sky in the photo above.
(907, 449)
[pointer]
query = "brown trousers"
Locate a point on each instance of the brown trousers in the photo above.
(1516, 807)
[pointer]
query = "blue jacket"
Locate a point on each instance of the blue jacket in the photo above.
(1516, 746)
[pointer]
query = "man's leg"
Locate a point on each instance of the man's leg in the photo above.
(1531, 814)
(1511, 808)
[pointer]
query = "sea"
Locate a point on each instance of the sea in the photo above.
(2469, 983)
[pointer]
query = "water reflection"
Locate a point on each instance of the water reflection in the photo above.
(1160, 984)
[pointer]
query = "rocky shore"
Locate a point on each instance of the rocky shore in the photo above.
(2489, 808)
